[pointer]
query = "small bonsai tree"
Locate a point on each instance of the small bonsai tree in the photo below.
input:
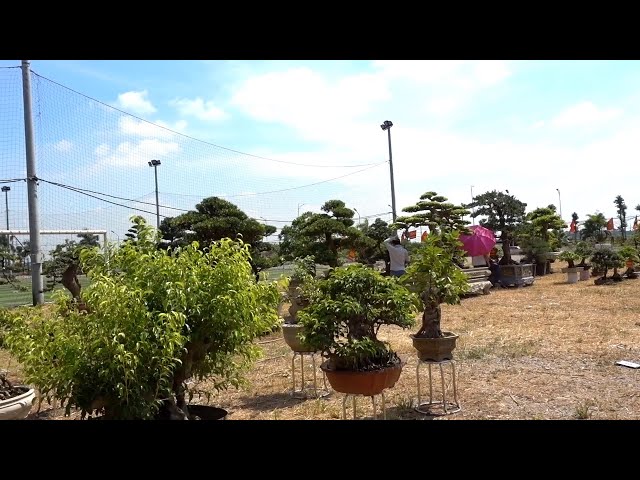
(433, 274)
(154, 319)
(343, 320)
(570, 257)
(300, 287)
(628, 253)
(584, 250)
(605, 259)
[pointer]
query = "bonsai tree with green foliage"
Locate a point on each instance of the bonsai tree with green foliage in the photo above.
(605, 259)
(154, 319)
(343, 318)
(584, 250)
(432, 272)
(299, 285)
(322, 235)
(503, 212)
(215, 218)
(570, 257)
(433, 275)
(629, 253)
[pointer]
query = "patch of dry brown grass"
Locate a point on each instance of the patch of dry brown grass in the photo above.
(546, 351)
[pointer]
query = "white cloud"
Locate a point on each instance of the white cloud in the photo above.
(136, 102)
(128, 154)
(198, 108)
(131, 126)
(584, 114)
(63, 146)
(102, 150)
(304, 100)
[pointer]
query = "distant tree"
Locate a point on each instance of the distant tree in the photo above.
(574, 218)
(594, 228)
(436, 212)
(369, 246)
(622, 212)
(504, 213)
(547, 224)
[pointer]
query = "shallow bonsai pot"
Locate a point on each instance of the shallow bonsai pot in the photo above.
(290, 333)
(367, 383)
(435, 349)
(18, 407)
(206, 412)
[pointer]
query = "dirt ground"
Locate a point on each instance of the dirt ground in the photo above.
(545, 351)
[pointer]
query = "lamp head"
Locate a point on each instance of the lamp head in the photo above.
(153, 163)
(386, 125)
(6, 188)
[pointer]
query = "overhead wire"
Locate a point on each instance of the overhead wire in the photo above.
(197, 139)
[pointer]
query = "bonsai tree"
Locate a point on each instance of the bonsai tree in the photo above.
(629, 254)
(605, 259)
(433, 274)
(154, 319)
(343, 320)
(570, 257)
(300, 286)
(584, 250)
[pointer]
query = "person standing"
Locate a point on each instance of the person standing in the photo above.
(398, 256)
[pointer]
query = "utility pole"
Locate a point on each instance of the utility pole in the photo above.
(386, 125)
(37, 286)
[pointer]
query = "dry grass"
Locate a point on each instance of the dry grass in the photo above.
(546, 351)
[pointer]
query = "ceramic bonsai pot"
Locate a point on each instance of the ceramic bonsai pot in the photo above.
(290, 333)
(367, 383)
(17, 407)
(435, 349)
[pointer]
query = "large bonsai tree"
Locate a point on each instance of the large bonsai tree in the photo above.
(154, 318)
(343, 318)
(432, 271)
(604, 260)
(503, 212)
(321, 235)
(215, 218)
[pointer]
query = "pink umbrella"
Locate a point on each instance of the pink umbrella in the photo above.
(480, 242)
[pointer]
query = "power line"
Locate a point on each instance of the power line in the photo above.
(196, 139)
(82, 190)
(303, 186)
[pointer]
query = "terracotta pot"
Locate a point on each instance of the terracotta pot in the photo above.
(435, 349)
(362, 383)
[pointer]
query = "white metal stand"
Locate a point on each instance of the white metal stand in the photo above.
(304, 391)
(373, 400)
(447, 407)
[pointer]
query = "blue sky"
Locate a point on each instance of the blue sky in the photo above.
(530, 127)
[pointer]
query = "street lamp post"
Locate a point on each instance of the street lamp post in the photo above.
(356, 210)
(559, 202)
(6, 189)
(386, 125)
(116, 236)
(300, 205)
(154, 164)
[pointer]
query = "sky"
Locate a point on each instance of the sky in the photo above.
(282, 137)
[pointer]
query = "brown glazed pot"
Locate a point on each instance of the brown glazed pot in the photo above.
(362, 383)
(435, 349)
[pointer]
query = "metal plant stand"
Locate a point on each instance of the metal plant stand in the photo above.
(304, 391)
(448, 407)
(373, 400)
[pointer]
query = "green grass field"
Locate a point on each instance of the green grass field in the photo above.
(11, 297)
